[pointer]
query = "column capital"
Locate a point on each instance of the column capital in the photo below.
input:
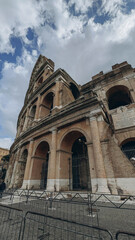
(92, 118)
(53, 129)
(95, 114)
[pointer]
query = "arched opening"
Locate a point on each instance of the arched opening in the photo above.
(128, 148)
(75, 162)
(47, 105)
(74, 90)
(32, 112)
(118, 96)
(40, 167)
(21, 167)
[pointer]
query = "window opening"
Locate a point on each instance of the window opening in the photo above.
(118, 96)
(129, 150)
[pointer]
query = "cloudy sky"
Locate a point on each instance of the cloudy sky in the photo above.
(81, 36)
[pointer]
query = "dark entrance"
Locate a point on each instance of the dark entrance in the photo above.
(80, 165)
(129, 150)
(44, 172)
(41, 164)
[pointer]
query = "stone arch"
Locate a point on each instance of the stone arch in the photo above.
(74, 130)
(74, 162)
(47, 104)
(128, 148)
(118, 96)
(32, 112)
(40, 165)
(38, 142)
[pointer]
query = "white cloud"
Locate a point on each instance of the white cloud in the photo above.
(6, 142)
(13, 86)
(112, 7)
(16, 17)
(87, 50)
(81, 47)
(82, 5)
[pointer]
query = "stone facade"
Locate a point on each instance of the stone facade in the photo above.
(72, 137)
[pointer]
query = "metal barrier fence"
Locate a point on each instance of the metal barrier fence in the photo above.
(10, 223)
(51, 215)
(41, 226)
(33, 226)
(125, 236)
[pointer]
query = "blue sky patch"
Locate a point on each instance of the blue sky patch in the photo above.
(30, 34)
(129, 6)
(101, 19)
(9, 57)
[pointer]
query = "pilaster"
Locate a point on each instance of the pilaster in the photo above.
(100, 169)
(13, 179)
(26, 120)
(37, 108)
(108, 166)
(52, 163)
(92, 167)
(28, 168)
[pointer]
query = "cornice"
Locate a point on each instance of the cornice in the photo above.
(74, 107)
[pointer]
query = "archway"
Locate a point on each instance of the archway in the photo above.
(32, 112)
(118, 96)
(47, 105)
(75, 162)
(128, 148)
(21, 168)
(40, 167)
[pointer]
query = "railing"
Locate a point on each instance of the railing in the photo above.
(125, 235)
(66, 215)
(11, 220)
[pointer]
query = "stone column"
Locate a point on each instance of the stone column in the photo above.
(52, 163)
(108, 166)
(92, 168)
(56, 98)
(37, 108)
(63, 170)
(26, 181)
(9, 171)
(26, 120)
(100, 169)
(14, 177)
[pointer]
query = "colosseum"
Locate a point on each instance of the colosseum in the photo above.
(76, 138)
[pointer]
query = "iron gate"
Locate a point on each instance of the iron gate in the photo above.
(80, 172)
(44, 174)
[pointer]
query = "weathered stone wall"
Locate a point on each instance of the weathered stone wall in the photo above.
(88, 116)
